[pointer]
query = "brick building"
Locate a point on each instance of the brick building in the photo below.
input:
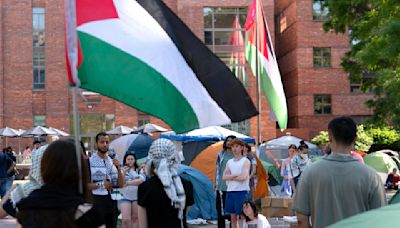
(317, 88)
(34, 88)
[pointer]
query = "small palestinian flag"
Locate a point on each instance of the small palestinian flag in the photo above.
(142, 54)
(259, 47)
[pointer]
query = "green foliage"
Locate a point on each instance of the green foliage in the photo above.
(321, 138)
(383, 135)
(374, 57)
(364, 141)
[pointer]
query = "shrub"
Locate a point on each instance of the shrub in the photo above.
(321, 138)
(383, 135)
(363, 142)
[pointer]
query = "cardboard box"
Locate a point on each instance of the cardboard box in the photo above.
(276, 207)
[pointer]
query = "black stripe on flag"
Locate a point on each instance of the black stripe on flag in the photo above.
(215, 76)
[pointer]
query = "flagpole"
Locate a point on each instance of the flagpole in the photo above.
(76, 135)
(258, 81)
(71, 37)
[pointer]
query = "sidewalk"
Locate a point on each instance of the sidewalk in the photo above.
(8, 222)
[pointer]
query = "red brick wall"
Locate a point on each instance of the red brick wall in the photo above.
(301, 80)
(57, 93)
(1, 63)
(17, 60)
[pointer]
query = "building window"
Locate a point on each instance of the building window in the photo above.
(142, 118)
(322, 104)
(224, 35)
(38, 45)
(39, 120)
(241, 127)
(320, 12)
(93, 123)
(356, 86)
(322, 57)
(282, 23)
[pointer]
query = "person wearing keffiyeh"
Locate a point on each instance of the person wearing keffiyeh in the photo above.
(163, 198)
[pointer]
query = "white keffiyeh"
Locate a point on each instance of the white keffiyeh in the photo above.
(35, 178)
(165, 160)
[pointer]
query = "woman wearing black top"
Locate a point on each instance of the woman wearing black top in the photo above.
(163, 199)
(58, 202)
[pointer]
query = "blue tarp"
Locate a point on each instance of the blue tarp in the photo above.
(204, 196)
(213, 133)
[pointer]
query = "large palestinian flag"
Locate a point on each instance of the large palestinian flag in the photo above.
(142, 54)
(259, 47)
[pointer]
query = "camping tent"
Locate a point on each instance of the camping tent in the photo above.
(279, 147)
(205, 163)
(213, 133)
(203, 194)
(138, 143)
(382, 218)
(381, 162)
(193, 142)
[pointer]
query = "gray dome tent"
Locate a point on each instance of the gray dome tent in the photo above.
(279, 147)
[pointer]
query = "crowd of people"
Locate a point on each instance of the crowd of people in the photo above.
(154, 195)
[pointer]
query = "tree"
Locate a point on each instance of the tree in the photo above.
(363, 141)
(374, 31)
(383, 136)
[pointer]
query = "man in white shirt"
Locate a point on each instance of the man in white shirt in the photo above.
(105, 174)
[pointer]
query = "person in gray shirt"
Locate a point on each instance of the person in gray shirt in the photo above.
(337, 186)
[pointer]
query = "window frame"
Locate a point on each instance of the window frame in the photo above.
(38, 50)
(323, 103)
(319, 54)
(320, 15)
(225, 49)
(36, 122)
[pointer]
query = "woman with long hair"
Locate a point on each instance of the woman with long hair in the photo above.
(252, 217)
(133, 178)
(286, 187)
(58, 203)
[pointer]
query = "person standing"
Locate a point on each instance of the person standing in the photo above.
(6, 167)
(220, 184)
(286, 187)
(236, 175)
(36, 145)
(163, 199)
(328, 191)
(105, 174)
(298, 163)
(14, 171)
(247, 153)
(133, 178)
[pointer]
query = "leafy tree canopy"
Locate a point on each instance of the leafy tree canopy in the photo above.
(363, 141)
(374, 31)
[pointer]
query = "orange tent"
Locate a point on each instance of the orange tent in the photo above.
(205, 163)
(205, 160)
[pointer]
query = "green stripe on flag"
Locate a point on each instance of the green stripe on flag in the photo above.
(276, 102)
(134, 82)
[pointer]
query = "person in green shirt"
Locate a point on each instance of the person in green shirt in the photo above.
(337, 186)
